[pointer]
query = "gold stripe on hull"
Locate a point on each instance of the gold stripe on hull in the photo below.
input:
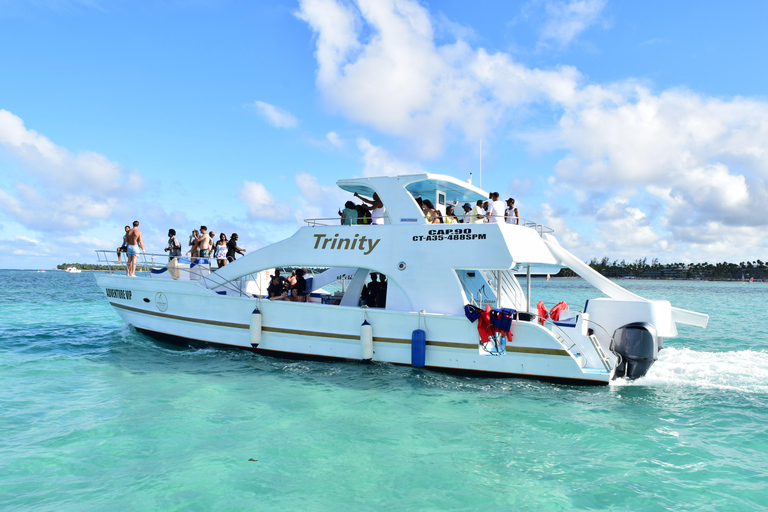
(298, 332)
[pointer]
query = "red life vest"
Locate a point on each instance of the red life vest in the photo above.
(543, 314)
(555, 313)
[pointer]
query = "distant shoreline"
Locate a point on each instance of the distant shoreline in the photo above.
(121, 268)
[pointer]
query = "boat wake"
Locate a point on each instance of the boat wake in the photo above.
(742, 370)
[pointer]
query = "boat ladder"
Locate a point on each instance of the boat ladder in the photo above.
(564, 340)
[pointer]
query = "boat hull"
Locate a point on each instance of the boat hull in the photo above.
(186, 313)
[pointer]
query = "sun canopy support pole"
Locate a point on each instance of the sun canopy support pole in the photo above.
(528, 290)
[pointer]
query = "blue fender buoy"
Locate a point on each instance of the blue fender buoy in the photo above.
(418, 348)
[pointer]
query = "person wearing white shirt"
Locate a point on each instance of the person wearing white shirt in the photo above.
(375, 206)
(496, 210)
(467, 218)
(512, 213)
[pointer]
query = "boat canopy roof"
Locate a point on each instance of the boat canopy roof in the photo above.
(398, 193)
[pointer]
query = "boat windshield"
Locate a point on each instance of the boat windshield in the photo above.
(453, 193)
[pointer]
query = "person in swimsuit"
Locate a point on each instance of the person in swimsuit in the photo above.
(221, 250)
(429, 212)
(193, 243)
(202, 244)
(450, 216)
(134, 241)
(375, 206)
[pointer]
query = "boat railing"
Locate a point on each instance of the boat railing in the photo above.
(511, 294)
(184, 268)
(336, 221)
(540, 228)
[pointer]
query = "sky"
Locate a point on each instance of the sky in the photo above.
(634, 129)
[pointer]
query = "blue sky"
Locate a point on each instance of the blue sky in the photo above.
(635, 129)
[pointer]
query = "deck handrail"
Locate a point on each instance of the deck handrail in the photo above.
(330, 221)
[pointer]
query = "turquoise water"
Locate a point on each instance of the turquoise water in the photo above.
(95, 416)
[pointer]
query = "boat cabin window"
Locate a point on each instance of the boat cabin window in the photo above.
(374, 293)
(353, 287)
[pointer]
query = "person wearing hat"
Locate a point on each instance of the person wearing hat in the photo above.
(467, 218)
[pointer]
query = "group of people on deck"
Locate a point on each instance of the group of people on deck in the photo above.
(204, 245)
(492, 211)
(371, 211)
(293, 288)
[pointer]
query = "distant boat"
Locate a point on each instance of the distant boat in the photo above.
(73, 270)
(41, 270)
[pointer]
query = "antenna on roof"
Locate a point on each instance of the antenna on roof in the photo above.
(480, 177)
(470, 179)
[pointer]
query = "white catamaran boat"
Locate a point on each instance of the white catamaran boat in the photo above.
(441, 281)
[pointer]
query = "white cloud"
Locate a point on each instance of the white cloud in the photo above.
(261, 204)
(696, 161)
(86, 170)
(58, 190)
(703, 158)
(23, 246)
(566, 20)
(317, 201)
(277, 117)
(386, 71)
(378, 162)
(335, 140)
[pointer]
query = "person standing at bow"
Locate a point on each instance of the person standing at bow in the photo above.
(134, 240)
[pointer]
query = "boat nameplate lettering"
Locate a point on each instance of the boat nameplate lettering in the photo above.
(438, 235)
(363, 243)
(113, 293)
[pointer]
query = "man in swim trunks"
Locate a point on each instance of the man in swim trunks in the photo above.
(134, 241)
(204, 243)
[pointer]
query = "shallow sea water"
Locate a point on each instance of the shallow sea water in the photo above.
(95, 416)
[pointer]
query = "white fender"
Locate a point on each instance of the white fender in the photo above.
(366, 341)
(255, 331)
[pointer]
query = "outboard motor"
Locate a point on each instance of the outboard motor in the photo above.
(638, 346)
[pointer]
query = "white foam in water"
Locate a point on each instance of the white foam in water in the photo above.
(742, 370)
